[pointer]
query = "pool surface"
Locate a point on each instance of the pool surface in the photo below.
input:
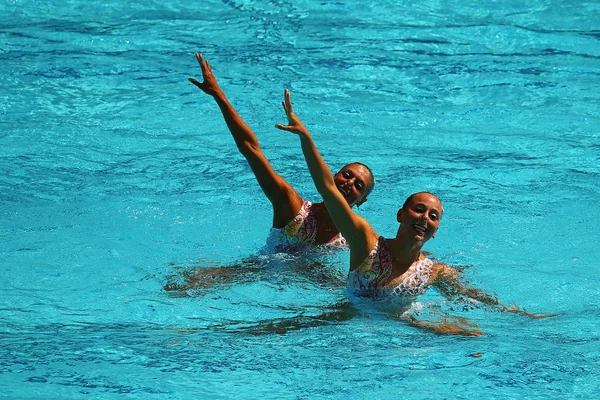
(117, 176)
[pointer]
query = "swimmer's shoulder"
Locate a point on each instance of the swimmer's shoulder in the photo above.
(442, 272)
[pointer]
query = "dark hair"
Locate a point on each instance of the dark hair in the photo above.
(372, 185)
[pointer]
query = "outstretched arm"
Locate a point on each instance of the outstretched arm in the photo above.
(354, 228)
(285, 200)
(450, 325)
(446, 280)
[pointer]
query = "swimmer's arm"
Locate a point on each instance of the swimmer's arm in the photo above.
(449, 325)
(353, 227)
(274, 186)
(446, 280)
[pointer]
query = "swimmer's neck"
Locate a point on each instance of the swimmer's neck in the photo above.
(404, 253)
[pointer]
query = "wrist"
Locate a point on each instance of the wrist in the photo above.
(304, 135)
(218, 95)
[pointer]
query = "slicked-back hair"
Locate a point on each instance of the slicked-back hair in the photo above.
(409, 198)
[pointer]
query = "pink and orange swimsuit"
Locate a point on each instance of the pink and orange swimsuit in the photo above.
(370, 279)
(299, 232)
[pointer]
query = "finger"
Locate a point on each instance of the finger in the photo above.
(195, 82)
(288, 99)
(199, 58)
(203, 64)
(283, 127)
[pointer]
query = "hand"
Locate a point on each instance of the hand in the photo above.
(516, 310)
(449, 325)
(209, 85)
(294, 124)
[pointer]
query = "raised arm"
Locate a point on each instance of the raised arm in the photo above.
(286, 202)
(355, 229)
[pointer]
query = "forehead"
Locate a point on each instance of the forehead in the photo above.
(428, 199)
(360, 171)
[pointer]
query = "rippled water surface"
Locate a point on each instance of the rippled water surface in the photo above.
(118, 176)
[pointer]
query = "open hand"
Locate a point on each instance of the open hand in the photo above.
(294, 124)
(209, 84)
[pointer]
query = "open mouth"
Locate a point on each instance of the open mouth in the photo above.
(343, 192)
(420, 229)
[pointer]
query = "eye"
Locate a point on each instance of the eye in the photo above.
(346, 174)
(359, 185)
(434, 216)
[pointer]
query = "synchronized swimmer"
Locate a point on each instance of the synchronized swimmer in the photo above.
(389, 269)
(392, 270)
(296, 221)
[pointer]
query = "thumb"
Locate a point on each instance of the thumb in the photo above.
(283, 127)
(195, 82)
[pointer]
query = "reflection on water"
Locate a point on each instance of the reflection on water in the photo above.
(194, 280)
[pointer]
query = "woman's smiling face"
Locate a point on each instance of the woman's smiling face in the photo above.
(420, 216)
(353, 181)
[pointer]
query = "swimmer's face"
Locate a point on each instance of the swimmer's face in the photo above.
(354, 182)
(420, 216)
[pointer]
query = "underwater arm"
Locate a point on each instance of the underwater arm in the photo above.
(449, 325)
(446, 280)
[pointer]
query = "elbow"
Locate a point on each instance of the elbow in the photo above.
(248, 149)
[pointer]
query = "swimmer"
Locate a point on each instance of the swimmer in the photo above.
(392, 270)
(296, 221)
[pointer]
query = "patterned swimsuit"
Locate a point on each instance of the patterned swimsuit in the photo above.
(371, 277)
(298, 232)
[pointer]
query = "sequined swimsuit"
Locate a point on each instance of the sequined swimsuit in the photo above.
(370, 279)
(300, 231)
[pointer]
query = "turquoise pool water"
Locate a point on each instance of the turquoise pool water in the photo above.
(116, 174)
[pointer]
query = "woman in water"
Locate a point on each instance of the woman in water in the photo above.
(391, 270)
(295, 220)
